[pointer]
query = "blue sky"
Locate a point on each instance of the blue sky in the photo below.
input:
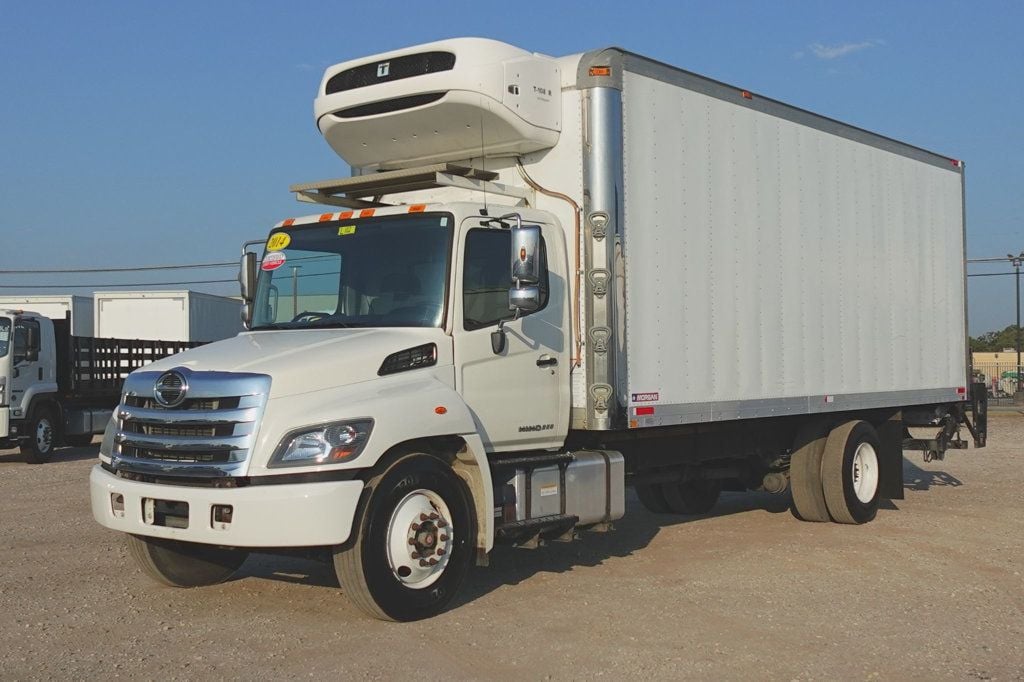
(143, 133)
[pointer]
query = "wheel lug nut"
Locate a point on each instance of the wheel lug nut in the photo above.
(443, 538)
(440, 552)
(424, 562)
(432, 561)
(433, 515)
(415, 555)
(441, 523)
(424, 517)
(415, 526)
(412, 541)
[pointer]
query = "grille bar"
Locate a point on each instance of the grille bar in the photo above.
(141, 415)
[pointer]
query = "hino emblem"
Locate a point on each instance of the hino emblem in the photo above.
(170, 389)
(383, 69)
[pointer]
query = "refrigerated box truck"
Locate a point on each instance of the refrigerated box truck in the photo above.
(167, 315)
(56, 308)
(545, 280)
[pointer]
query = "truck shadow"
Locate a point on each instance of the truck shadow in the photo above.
(916, 478)
(634, 532)
(512, 565)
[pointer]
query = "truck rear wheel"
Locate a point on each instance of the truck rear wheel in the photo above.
(41, 437)
(805, 472)
(412, 543)
(695, 496)
(850, 472)
(184, 564)
(652, 497)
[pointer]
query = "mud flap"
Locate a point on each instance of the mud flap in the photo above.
(890, 465)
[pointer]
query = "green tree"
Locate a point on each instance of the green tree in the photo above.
(995, 341)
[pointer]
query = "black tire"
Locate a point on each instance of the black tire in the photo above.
(184, 564)
(850, 472)
(691, 497)
(362, 564)
(652, 498)
(79, 440)
(805, 472)
(42, 436)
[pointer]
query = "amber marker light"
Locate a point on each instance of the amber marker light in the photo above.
(600, 70)
(440, 409)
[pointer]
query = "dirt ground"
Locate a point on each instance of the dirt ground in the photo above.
(933, 588)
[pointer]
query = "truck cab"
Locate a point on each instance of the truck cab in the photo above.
(27, 376)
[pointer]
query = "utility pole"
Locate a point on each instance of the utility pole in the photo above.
(1016, 261)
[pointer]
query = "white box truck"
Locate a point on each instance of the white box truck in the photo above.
(548, 279)
(168, 315)
(56, 307)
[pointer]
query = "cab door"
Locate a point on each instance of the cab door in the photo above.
(520, 396)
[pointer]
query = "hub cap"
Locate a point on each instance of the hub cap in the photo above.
(864, 472)
(420, 539)
(44, 435)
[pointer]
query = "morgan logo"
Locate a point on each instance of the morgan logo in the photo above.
(383, 69)
(645, 397)
(536, 427)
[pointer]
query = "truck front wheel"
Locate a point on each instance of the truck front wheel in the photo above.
(41, 437)
(412, 542)
(184, 564)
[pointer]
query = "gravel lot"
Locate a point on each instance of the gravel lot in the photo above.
(933, 588)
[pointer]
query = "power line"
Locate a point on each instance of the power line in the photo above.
(103, 286)
(116, 269)
(991, 274)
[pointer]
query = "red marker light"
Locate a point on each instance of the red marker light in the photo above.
(641, 411)
(746, 95)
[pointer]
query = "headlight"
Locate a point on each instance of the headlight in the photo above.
(325, 444)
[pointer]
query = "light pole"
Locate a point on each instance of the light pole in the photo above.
(1016, 261)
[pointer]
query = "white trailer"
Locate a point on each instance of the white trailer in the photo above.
(57, 307)
(545, 280)
(166, 315)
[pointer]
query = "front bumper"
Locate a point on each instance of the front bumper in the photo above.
(289, 515)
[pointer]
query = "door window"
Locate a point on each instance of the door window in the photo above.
(486, 279)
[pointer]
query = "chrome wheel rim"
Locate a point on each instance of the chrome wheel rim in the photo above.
(420, 539)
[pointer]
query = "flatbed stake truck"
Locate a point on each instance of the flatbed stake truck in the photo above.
(545, 280)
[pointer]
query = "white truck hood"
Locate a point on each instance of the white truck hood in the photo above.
(304, 360)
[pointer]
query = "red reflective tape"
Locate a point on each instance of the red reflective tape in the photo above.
(324, 217)
(344, 215)
(366, 213)
(288, 223)
(641, 411)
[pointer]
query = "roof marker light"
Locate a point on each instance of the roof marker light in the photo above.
(600, 70)
(417, 208)
(746, 94)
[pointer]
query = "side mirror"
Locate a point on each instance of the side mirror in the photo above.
(246, 314)
(524, 299)
(247, 275)
(526, 255)
(32, 349)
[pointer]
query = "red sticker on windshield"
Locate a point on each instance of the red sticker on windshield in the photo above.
(272, 261)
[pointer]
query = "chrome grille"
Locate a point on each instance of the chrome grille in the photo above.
(210, 433)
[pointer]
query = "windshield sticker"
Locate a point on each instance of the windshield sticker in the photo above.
(444, 221)
(273, 261)
(346, 230)
(279, 241)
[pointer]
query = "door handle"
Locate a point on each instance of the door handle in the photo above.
(547, 361)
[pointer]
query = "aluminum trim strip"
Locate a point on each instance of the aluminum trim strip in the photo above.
(697, 413)
(212, 384)
(183, 443)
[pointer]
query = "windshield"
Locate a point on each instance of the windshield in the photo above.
(375, 272)
(5, 336)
